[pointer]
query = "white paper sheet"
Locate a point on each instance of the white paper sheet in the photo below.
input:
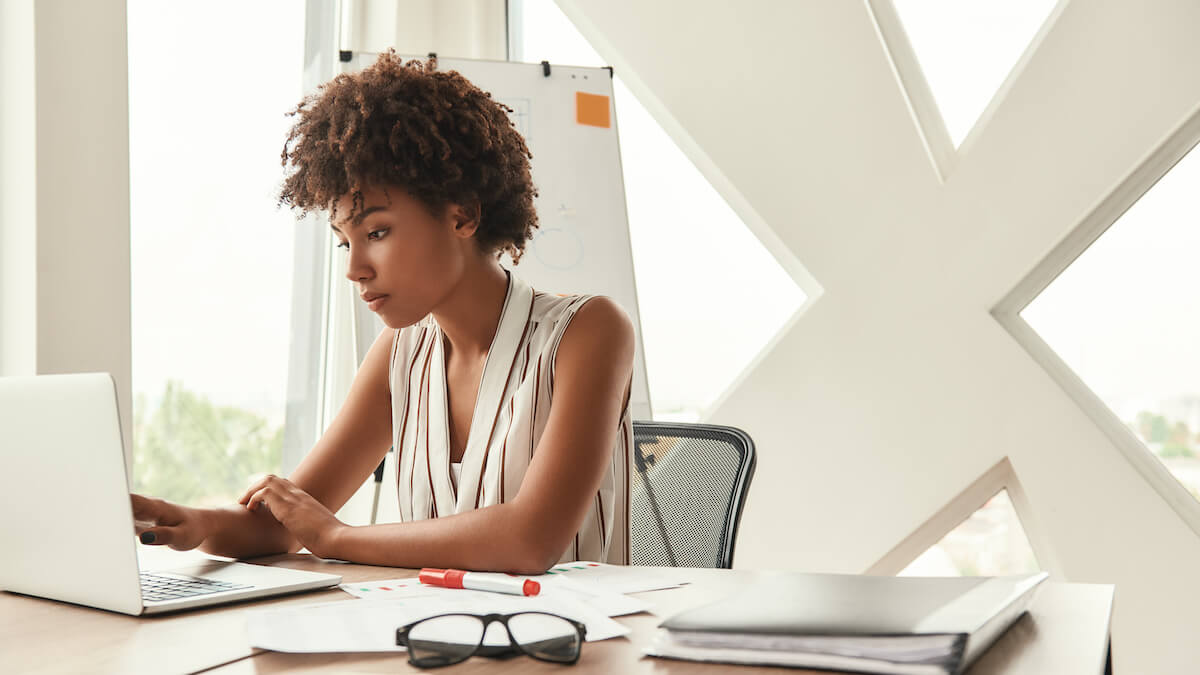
(372, 590)
(606, 602)
(370, 625)
(609, 603)
(615, 578)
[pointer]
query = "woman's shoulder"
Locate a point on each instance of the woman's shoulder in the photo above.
(600, 314)
(597, 315)
(598, 337)
(558, 306)
(549, 304)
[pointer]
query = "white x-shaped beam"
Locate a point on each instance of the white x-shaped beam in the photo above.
(898, 387)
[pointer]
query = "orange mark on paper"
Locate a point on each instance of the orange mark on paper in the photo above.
(592, 110)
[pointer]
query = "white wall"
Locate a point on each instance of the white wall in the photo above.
(897, 389)
(64, 191)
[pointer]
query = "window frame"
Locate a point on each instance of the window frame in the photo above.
(1140, 180)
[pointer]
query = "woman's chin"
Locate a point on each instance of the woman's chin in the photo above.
(396, 322)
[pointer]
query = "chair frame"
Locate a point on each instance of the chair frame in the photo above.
(741, 486)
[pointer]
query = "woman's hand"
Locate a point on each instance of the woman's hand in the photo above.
(160, 522)
(306, 518)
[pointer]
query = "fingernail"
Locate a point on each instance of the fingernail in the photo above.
(148, 537)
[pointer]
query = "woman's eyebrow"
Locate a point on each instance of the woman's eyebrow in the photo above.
(357, 220)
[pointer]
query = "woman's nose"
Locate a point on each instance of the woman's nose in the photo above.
(357, 268)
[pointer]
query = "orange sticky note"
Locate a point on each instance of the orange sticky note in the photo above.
(592, 109)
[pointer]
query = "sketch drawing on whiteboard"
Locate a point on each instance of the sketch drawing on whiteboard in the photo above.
(558, 248)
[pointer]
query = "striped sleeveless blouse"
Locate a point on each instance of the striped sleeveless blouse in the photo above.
(511, 410)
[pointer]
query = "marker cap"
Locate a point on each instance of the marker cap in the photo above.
(444, 578)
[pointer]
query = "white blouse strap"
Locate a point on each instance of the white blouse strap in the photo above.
(515, 318)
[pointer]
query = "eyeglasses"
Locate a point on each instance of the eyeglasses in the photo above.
(447, 639)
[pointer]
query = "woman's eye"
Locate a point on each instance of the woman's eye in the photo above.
(375, 235)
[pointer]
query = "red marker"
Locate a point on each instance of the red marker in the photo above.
(479, 581)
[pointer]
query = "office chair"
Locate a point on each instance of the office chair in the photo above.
(688, 494)
(687, 499)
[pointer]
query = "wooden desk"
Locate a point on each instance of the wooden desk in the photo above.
(1066, 631)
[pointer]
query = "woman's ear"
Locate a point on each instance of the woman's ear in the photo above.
(465, 218)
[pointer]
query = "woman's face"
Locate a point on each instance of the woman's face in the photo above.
(403, 260)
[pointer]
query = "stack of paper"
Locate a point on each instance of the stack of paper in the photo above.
(588, 592)
(370, 625)
(903, 626)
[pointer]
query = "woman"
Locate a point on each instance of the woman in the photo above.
(508, 408)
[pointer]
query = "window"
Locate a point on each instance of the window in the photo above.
(990, 542)
(209, 86)
(967, 49)
(1123, 317)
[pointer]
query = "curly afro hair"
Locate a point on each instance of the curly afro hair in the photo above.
(432, 134)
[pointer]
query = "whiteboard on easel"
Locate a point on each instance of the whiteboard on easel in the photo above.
(582, 243)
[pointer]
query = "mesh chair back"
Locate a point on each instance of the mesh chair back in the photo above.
(688, 491)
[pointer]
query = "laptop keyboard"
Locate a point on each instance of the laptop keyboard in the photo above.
(156, 587)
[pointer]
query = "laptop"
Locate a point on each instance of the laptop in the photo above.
(66, 521)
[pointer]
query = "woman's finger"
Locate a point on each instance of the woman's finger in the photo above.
(157, 536)
(254, 487)
(257, 485)
(143, 508)
(260, 497)
(155, 511)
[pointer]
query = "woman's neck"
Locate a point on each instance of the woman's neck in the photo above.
(470, 316)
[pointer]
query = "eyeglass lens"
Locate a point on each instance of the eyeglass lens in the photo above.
(545, 636)
(444, 640)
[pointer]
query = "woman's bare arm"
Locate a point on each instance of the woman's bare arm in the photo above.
(528, 534)
(237, 533)
(333, 470)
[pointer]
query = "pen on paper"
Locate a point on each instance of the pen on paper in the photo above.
(479, 581)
